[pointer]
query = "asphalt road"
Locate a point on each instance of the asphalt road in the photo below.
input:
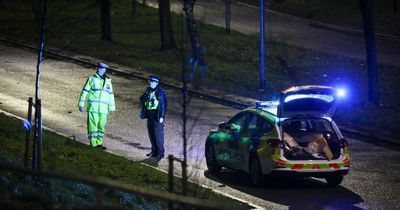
(373, 182)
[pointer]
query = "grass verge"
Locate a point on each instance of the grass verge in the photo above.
(66, 155)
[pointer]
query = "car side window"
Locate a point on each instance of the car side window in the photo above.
(257, 125)
(238, 121)
(252, 125)
(264, 126)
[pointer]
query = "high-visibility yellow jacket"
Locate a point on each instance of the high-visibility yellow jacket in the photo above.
(98, 92)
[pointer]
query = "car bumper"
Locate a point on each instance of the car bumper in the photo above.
(311, 167)
(319, 174)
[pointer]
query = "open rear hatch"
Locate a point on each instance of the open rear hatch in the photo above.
(308, 101)
(305, 114)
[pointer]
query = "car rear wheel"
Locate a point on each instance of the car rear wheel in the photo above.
(255, 171)
(334, 180)
(211, 160)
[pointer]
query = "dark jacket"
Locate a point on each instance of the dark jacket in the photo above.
(162, 103)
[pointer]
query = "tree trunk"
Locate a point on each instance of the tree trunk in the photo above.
(105, 14)
(193, 34)
(366, 7)
(228, 16)
(167, 39)
(133, 8)
(39, 12)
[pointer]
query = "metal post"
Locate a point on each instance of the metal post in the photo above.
(184, 178)
(171, 173)
(28, 132)
(228, 16)
(171, 189)
(262, 53)
(35, 143)
(366, 7)
(170, 178)
(39, 140)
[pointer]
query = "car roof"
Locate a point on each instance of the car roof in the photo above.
(266, 109)
(295, 89)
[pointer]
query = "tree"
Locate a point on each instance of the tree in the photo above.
(167, 39)
(133, 8)
(105, 18)
(366, 7)
(37, 8)
(191, 26)
(39, 11)
(197, 58)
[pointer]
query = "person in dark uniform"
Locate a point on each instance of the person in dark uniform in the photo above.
(154, 108)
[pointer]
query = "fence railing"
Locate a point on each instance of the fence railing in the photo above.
(46, 189)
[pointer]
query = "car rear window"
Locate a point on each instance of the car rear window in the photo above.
(307, 104)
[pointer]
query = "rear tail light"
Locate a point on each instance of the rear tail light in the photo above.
(275, 143)
(345, 142)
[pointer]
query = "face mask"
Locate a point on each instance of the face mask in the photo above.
(101, 71)
(153, 85)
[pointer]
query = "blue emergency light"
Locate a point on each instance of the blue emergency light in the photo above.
(341, 92)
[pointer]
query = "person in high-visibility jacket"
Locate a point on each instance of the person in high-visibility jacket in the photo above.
(98, 92)
(154, 109)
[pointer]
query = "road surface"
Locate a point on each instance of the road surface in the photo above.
(373, 182)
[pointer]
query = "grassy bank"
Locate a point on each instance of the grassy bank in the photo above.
(66, 155)
(233, 58)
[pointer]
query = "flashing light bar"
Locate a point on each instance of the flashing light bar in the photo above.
(266, 104)
(327, 98)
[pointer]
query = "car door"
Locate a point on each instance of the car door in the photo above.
(226, 152)
(265, 145)
(249, 133)
(256, 129)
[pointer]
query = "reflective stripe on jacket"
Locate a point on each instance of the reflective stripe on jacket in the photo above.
(99, 95)
(152, 102)
(162, 102)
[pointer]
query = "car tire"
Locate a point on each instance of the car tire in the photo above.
(211, 160)
(334, 180)
(256, 177)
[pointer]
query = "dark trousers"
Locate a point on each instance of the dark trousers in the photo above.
(156, 135)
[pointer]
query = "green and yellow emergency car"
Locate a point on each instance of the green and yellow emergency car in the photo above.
(295, 135)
